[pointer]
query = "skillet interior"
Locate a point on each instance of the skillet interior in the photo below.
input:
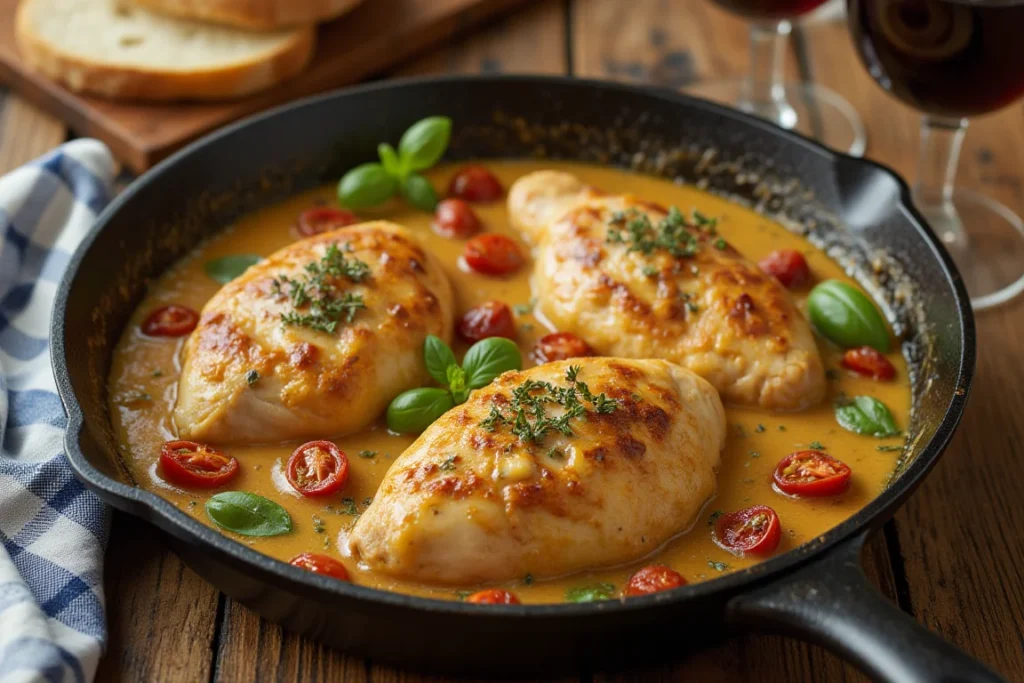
(857, 211)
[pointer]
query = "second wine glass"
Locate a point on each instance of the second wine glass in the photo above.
(810, 109)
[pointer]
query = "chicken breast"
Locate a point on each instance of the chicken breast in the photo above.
(480, 497)
(636, 280)
(315, 340)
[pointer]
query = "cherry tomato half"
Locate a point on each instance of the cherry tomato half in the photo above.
(493, 254)
(475, 184)
(868, 361)
(195, 465)
(320, 564)
(489, 319)
(755, 530)
(560, 346)
(811, 474)
(455, 219)
(788, 266)
(317, 468)
(653, 578)
(170, 321)
(323, 219)
(493, 596)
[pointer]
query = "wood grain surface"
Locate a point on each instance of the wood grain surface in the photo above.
(375, 36)
(952, 555)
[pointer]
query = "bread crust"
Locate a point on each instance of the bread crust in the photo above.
(259, 15)
(116, 81)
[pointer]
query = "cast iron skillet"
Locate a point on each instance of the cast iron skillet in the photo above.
(858, 210)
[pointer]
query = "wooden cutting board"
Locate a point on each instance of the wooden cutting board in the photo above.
(375, 36)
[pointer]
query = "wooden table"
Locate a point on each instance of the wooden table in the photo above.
(952, 557)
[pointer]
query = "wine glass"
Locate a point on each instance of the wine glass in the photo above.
(952, 59)
(810, 109)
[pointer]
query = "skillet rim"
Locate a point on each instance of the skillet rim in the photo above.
(162, 513)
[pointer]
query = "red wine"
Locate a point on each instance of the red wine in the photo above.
(943, 57)
(771, 9)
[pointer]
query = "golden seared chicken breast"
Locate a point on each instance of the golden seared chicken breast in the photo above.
(314, 340)
(634, 279)
(566, 466)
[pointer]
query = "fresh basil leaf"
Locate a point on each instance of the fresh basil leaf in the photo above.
(846, 316)
(424, 143)
(866, 415)
(366, 185)
(227, 268)
(413, 411)
(488, 358)
(418, 191)
(389, 159)
(438, 357)
(601, 591)
(248, 514)
(457, 384)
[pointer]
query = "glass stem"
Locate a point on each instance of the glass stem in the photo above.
(763, 92)
(941, 139)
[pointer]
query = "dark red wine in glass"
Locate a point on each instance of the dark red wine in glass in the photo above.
(952, 59)
(771, 9)
(808, 108)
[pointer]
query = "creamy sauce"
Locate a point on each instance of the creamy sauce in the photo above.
(145, 373)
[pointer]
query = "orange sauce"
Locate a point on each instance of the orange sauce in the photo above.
(145, 373)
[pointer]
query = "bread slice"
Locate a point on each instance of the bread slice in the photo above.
(261, 15)
(99, 47)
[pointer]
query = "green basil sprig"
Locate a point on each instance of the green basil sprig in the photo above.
(600, 591)
(414, 410)
(866, 415)
(227, 268)
(846, 316)
(373, 183)
(248, 514)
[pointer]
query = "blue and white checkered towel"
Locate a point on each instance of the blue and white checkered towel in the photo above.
(53, 530)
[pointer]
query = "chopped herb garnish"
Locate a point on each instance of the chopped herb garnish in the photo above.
(817, 445)
(192, 504)
(367, 454)
(318, 525)
(316, 294)
(720, 243)
(692, 306)
(556, 453)
(759, 428)
(782, 428)
(367, 501)
(673, 233)
(527, 414)
(718, 566)
(528, 579)
(522, 309)
(462, 595)
(650, 271)
(348, 507)
(713, 517)
(252, 377)
(888, 449)
(158, 373)
(448, 465)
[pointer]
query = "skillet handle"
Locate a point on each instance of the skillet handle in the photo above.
(832, 603)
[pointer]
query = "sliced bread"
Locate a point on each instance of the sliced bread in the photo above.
(263, 15)
(99, 47)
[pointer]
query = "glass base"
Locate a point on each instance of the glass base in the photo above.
(989, 252)
(813, 110)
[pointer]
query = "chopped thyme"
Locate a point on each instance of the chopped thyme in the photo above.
(759, 428)
(252, 377)
(714, 517)
(720, 243)
(718, 566)
(672, 234)
(522, 309)
(317, 293)
(349, 507)
(888, 449)
(692, 306)
(816, 445)
(527, 415)
(650, 271)
(782, 428)
(367, 454)
(318, 525)
(556, 453)
(448, 465)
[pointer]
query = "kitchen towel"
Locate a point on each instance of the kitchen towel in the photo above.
(53, 530)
